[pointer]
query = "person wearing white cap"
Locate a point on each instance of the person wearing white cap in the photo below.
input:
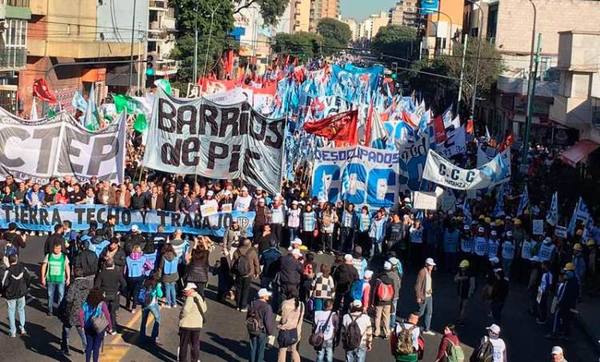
(497, 352)
(356, 320)
(293, 220)
(467, 242)
(191, 321)
(480, 250)
(493, 245)
(243, 200)
(260, 323)
(558, 355)
(547, 250)
(344, 276)
(508, 252)
(424, 294)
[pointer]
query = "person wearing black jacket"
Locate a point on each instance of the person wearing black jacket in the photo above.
(290, 273)
(16, 239)
(111, 281)
(15, 286)
(139, 199)
(134, 238)
(71, 306)
(85, 258)
(108, 229)
(566, 300)
(499, 294)
(113, 252)
(343, 277)
(261, 310)
(57, 236)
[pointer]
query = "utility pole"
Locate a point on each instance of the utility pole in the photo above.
(530, 97)
(131, 48)
(195, 79)
(212, 18)
(462, 69)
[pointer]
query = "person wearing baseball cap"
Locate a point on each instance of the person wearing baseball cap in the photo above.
(465, 281)
(480, 250)
(424, 293)
(365, 329)
(558, 355)
(498, 345)
(260, 323)
(191, 321)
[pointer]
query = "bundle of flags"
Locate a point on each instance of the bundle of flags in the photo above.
(552, 216)
(523, 202)
(582, 214)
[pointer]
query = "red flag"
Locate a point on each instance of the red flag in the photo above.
(408, 119)
(41, 90)
(440, 131)
(508, 141)
(340, 127)
(470, 127)
(369, 125)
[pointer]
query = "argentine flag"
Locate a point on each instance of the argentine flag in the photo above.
(552, 217)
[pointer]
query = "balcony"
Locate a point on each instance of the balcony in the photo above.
(158, 5)
(15, 9)
(13, 59)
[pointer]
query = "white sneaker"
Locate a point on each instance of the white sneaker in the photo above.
(429, 333)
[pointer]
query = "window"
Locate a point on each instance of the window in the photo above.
(14, 44)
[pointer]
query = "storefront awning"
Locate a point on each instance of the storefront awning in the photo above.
(578, 152)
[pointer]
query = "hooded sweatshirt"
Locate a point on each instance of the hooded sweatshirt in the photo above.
(167, 268)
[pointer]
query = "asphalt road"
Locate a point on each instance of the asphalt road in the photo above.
(224, 337)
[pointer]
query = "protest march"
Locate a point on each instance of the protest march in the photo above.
(311, 194)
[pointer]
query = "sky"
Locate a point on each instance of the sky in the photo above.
(361, 9)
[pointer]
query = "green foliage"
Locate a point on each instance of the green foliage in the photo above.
(301, 44)
(336, 35)
(396, 40)
(191, 12)
(271, 10)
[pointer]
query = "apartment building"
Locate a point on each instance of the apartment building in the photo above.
(96, 34)
(442, 26)
(405, 12)
(14, 15)
(322, 9)
(161, 38)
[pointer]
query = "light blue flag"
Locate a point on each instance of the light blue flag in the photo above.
(552, 217)
(90, 119)
(499, 209)
(467, 212)
(581, 213)
(523, 202)
(78, 102)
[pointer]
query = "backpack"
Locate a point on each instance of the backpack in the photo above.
(242, 265)
(356, 290)
(317, 338)
(405, 341)
(144, 296)
(15, 286)
(385, 292)
(253, 323)
(454, 352)
(483, 353)
(353, 336)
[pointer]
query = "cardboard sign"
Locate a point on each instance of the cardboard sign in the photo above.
(560, 231)
(538, 227)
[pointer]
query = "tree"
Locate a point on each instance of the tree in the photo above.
(490, 67)
(302, 44)
(336, 35)
(396, 40)
(197, 13)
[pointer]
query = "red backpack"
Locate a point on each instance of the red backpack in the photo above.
(385, 292)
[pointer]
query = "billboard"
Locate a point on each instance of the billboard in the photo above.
(429, 6)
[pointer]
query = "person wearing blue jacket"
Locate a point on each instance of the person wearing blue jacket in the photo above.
(377, 232)
(348, 223)
(134, 272)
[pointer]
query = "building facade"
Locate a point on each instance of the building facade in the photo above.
(508, 24)
(442, 27)
(161, 38)
(370, 26)
(62, 33)
(405, 13)
(322, 9)
(14, 16)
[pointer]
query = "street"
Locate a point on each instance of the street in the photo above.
(224, 337)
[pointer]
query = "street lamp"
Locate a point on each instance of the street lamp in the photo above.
(479, 30)
(530, 86)
(212, 17)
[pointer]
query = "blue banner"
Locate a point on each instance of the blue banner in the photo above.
(44, 219)
(429, 6)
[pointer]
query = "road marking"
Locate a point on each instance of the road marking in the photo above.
(118, 348)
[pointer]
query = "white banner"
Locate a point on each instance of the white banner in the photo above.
(359, 175)
(425, 200)
(61, 147)
(443, 172)
(454, 144)
(197, 136)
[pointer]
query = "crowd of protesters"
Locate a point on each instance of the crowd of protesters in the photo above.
(350, 301)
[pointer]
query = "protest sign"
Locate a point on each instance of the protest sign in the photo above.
(44, 219)
(412, 162)
(209, 209)
(560, 231)
(454, 144)
(538, 227)
(425, 200)
(359, 175)
(448, 201)
(443, 172)
(197, 136)
(61, 147)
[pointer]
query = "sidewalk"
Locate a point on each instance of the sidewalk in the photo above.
(588, 319)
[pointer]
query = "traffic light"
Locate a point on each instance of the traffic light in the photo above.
(150, 70)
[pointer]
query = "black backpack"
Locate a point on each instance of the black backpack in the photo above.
(253, 322)
(242, 266)
(483, 353)
(353, 335)
(15, 285)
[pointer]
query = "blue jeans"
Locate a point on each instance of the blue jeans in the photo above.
(426, 308)
(92, 347)
(170, 294)
(357, 355)
(14, 306)
(152, 308)
(376, 248)
(52, 287)
(325, 354)
(65, 337)
(393, 314)
(257, 348)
